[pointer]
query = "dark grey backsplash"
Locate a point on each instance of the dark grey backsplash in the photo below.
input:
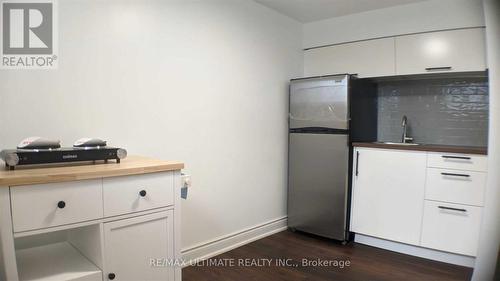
(450, 111)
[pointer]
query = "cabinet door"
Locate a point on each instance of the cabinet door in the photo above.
(369, 58)
(131, 245)
(388, 194)
(445, 51)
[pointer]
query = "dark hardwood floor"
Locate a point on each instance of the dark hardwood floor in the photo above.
(366, 263)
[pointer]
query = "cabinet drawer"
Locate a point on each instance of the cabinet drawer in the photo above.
(454, 186)
(457, 161)
(46, 205)
(451, 227)
(137, 193)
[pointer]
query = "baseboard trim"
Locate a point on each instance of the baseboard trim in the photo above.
(415, 250)
(231, 241)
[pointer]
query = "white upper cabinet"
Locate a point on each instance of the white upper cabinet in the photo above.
(444, 51)
(434, 52)
(369, 58)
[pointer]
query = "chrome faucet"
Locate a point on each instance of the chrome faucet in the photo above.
(404, 124)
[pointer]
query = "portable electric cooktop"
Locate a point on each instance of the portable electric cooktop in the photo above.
(36, 150)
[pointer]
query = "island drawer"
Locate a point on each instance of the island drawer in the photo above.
(455, 186)
(46, 205)
(136, 193)
(457, 161)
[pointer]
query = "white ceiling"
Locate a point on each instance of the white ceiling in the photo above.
(313, 10)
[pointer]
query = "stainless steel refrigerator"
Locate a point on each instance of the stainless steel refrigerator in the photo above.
(318, 169)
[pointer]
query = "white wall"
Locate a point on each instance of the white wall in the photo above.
(489, 240)
(411, 18)
(204, 82)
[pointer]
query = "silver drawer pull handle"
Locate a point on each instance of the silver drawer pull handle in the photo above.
(438, 68)
(456, 157)
(452, 209)
(456, 175)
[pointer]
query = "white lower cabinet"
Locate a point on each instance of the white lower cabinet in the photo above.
(419, 198)
(388, 191)
(451, 227)
(133, 246)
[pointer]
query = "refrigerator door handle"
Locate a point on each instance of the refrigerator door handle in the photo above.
(357, 163)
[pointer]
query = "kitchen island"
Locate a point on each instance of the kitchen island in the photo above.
(91, 222)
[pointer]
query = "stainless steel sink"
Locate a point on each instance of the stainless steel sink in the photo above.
(399, 143)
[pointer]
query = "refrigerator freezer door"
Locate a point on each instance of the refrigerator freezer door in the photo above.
(319, 102)
(317, 184)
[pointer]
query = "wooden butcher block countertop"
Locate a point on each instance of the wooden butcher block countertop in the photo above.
(132, 165)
